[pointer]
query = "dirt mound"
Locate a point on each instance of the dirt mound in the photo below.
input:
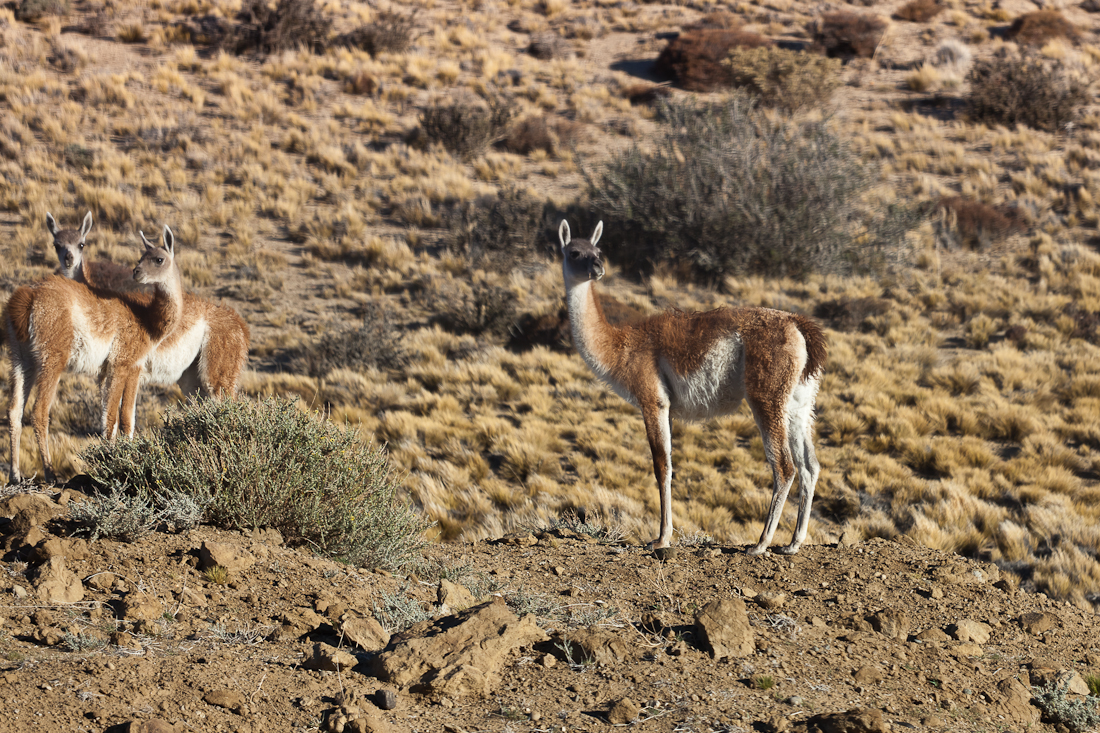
(552, 628)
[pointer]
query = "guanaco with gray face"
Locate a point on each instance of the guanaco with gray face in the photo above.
(694, 366)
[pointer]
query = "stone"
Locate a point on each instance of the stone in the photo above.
(1037, 623)
(104, 581)
(1013, 701)
(385, 699)
(932, 634)
(26, 538)
(71, 549)
(366, 633)
(57, 584)
(155, 725)
(191, 598)
(369, 724)
(141, 607)
(868, 675)
(231, 557)
(453, 597)
(225, 698)
(858, 720)
(457, 655)
(967, 649)
(268, 536)
(933, 721)
(771, 601)
(969, 630)
(19, 592)
(28, 510)
(892, 623)
(124, 640)
(600, 647)
(329, 659)
(623, 711)
(722, 628)
(1073, 682)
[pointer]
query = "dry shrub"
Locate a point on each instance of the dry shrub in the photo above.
(952, 55)
(290, 24)
(977, 225)
(695, 59)
(481, 308)
(30, 11)
(390, 32)
(67, 59)
(1040, 27)
(849, 314)
(782, 78)
(1027, 90)
(373, 343)
(133, 33)
(547, 46)
(361, 83)
(551, 134)
(919, 11)
(467, 128)
(203, 30)
(646, 93)
(502, 231)
(848, 35)
(728, 188)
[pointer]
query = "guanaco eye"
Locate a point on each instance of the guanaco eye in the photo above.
(575, 255)
(82, 245)
(160, 260)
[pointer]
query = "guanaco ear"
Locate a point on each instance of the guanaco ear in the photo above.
(51, 224)
(563, 234)
(169, 240)
(86, 226)
(596, 234)
(145, 239)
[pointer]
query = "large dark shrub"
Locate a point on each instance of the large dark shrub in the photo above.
(466, 128)
(268, 464)
(695, 59)
(1024, 90)
(1036, 29)
(727, 189)
(390, 32)
(500, 231)
(290, 24)
(846, 35)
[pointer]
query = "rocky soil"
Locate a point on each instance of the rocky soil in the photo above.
(561, 629)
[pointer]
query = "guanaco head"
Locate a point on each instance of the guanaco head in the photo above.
(69, 245)
(156, 263)
(583, 259)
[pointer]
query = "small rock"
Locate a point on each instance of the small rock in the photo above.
(155, 725)
(936, 593)
(228, 699)
(1013, 701)
(124, 640)
(329, 659)
(1037, 623)
(868, 675)
(549, 660)
(854, 721)
(141, 607)
(232, 558)
(623, 711)
(933, 721)
(28, 510)
(57, 584)
(453, 597)
(794, 700)
(892, 623)
(968, 649)
(969, 630)
(366, 633)
(369, 724)
(19, 591)
(268, 536)
(101, 581)
(723, 629)
(385, 699)
(932, 634)
(771, 601)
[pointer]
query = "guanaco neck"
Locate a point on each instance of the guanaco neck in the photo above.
(592, 334)
(166, 310)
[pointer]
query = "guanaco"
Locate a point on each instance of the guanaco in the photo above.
(698, 365)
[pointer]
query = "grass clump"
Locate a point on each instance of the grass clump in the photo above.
(789, 80)
(30, 11)
(500, 231)
(268, 464)
(728, 189)
(373, 343)
(267, 29)
(848, 35)
(550, 134)
(390, 32)
(468, 128)
(1025, 90)
(1041, 27)
(1078, 714)
(919, 11)
(116, 515)
(696, 58)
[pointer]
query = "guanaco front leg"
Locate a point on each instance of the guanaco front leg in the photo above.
(659, 433)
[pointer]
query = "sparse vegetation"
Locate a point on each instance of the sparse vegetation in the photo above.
(696, 58)
(1076, 713)
(373, 343)
(391, 31)
(847, 35)
(467, 128)
(266, 29)
(1026, 90)
(1041, 27)
(731, 190)
(268, 464)
(790, 80)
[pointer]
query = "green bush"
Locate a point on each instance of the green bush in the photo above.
(783, 78)
(268, 464)
(1025, 90)
(726, 189)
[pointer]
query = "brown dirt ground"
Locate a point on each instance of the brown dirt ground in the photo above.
(813, 618)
